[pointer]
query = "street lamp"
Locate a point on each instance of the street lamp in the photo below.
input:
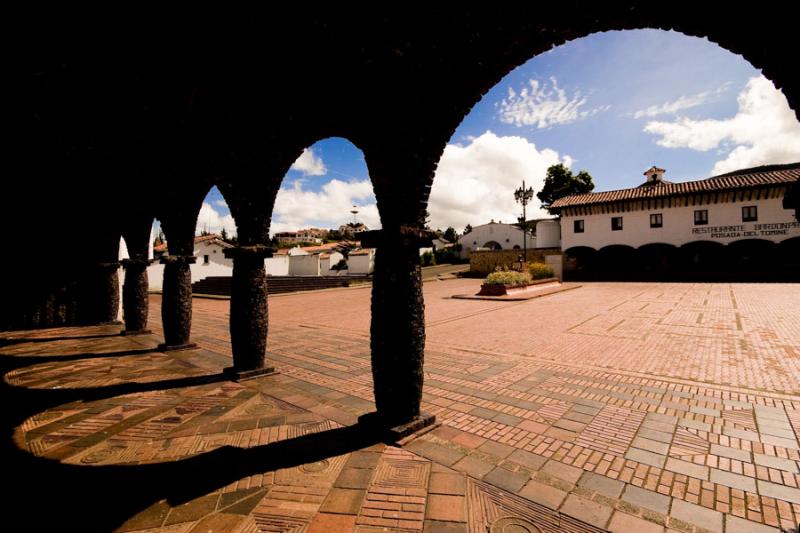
(523, 196)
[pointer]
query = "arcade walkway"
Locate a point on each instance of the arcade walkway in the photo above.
(623, 407)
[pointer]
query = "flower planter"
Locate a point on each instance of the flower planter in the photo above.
(495, 289)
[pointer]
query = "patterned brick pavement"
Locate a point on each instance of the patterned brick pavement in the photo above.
(614, 406)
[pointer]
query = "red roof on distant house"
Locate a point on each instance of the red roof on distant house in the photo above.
(331, 246)
(210, 239)
(740, 179)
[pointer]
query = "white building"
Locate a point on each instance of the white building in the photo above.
(499, 236)
(320, 261)
(311, 235)
(361, 261)
(350, 229)
(211, 261)
(732, 222)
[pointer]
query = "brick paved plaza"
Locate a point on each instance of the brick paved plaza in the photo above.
(623, 407)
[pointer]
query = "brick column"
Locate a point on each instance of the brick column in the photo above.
(397, 329)
(176, 302)
(106, 297)
(135, 302)
(249, 318)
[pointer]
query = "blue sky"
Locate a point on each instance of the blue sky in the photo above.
(613, 104)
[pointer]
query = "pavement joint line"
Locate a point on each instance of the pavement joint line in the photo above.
(631, 373)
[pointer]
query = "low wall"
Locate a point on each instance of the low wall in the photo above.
(484, 262)
(277, 265)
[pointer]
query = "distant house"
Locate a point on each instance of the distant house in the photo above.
(732, 226)
(499, 236)
(361, 261)
(494, 236)
(350, 229)
(211, 260)
(318, 261)
(440, 243)
(310, 235)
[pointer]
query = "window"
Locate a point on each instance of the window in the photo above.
(701, 217)
(749, 213)
(616, 223)
(577, 226)
(205, 259)
(656, 220)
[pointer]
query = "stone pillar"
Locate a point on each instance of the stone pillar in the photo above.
(176, 302)
(107, 293)
(135, 301)
(398, 329)
(249, 319)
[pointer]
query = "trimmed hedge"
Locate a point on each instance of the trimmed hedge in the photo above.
(509, 278)
(540, 271)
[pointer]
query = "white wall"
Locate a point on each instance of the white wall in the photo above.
(214, 252)
(506, 235)
(277, 265)
(724, 225)
(555, 262)
(200, 271)
(361, 264)
(304, 265)
(328, 262)
(155, 276)
(548, 234)
(218, 265)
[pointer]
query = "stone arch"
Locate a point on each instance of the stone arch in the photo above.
(656, 261)
(615, 262)
(752, 259)
(701, 260)
(492, 245)
(788, 259)
(526, 40)
(579, 263)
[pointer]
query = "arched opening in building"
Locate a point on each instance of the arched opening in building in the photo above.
(540, 120)
(752, 259)
(579, 263)
(789, 258)
(325, 201)
(616, 262)
(656, 261)
(702, 260)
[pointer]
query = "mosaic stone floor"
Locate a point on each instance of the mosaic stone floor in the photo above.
(621, 407)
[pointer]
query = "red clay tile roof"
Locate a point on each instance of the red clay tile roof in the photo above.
(740, 179)
(331, 246)
(197, 240)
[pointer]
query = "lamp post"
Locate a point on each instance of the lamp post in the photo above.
(523, 196)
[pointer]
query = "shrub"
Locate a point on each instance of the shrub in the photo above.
(427, 259)
(508, 278)
(447, 255)
(540, 271)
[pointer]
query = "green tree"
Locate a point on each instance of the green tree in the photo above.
(560, 182)
(467, 229)
(450, 234)
(223, 234)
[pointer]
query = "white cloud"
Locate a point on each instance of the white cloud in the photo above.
(763, 131)
(543, 106)
(310, 164)
(221, 203)
(210, 220)
(297, 208)
(684, 102)
(476, 183)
